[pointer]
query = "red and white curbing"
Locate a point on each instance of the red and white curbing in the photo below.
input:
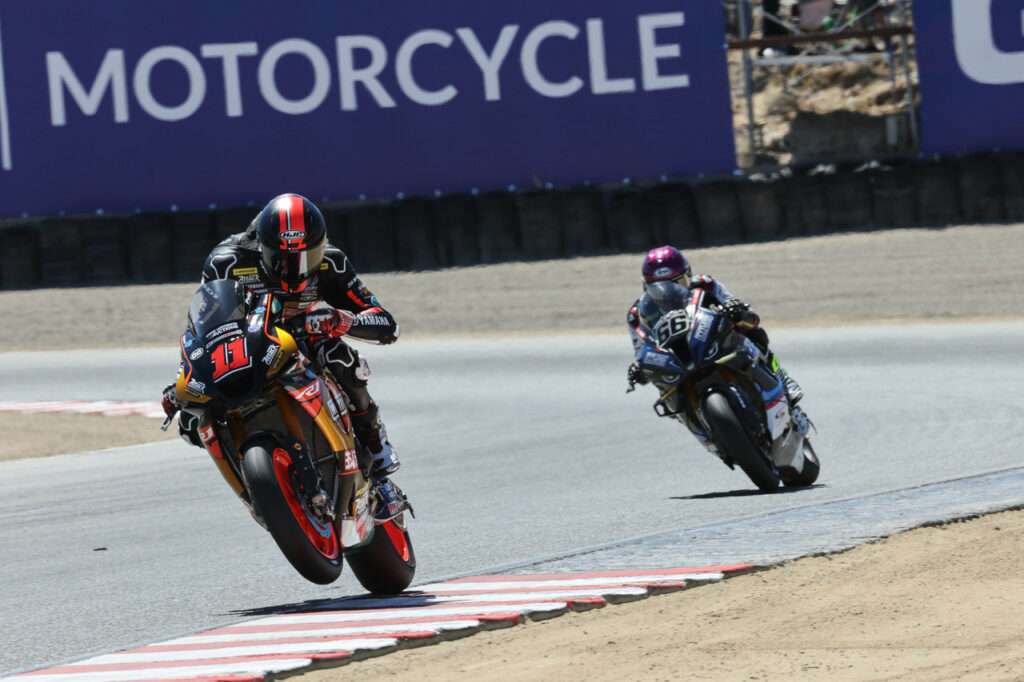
(107, 407)
(252, 649)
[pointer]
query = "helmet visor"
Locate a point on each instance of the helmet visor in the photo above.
(293, 265)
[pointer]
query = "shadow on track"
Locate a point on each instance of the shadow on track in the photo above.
(747, 492)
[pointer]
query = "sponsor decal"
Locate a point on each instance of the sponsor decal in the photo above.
(703, 327)
(196, 354)
(206, 433)
(195, 387)
(229, 327)
(290, 235)
(249, 279)
(656, 359)
(244, 271)
(310, 398)
(663, 272)
(309, 392)
(351, 461)
(268, 358)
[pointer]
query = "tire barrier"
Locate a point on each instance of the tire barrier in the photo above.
(1013, 185)
(893, 191)
(630, 220)
(676, 207)
(421, 233)
(457, 239)
(718, 210)
(938, 193)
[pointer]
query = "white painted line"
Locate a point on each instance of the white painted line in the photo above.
(278, 649)
(397, 628)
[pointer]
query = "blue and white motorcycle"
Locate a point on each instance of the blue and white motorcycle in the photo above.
(720, 385)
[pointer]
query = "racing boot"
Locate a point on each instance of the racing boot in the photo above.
(793, 390)
(374, 436)
(391, 501)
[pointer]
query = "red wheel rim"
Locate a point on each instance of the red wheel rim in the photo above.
(319, 533)
(398, 540)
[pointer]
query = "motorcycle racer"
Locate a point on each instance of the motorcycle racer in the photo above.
(668, 264)
(285, 252)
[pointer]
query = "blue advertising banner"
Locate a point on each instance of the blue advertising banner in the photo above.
(124, 105)
(970, 56)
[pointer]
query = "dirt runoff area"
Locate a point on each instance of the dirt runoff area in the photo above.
(937, 603)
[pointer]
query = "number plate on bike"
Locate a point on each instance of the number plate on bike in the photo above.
(671, 326)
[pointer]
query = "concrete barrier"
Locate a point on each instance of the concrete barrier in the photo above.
(468, 229)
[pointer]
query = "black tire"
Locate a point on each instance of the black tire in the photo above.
(382, 567)
(809, 474)
(732, 439)
(291, 526)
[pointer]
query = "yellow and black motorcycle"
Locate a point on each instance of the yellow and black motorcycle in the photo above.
(279, 431)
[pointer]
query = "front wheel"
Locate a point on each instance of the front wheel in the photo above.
(387, 563)
(309, 543)
(733, 440)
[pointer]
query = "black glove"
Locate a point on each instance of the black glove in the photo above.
(170, 401)
(735, 309)
(635, 375)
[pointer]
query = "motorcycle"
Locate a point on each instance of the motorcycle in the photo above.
(720, 385)
(279, 431)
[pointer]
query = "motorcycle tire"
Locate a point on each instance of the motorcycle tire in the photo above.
(732, 439)
(311, 545)
(809, 474)
(387, 563)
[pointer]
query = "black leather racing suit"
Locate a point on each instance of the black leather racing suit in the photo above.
(749, 325)
(336, 284)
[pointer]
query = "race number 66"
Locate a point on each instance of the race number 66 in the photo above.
(671, 326)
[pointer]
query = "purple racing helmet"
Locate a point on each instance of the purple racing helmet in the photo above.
(665, 263)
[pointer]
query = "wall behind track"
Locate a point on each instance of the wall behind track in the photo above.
(423, 233)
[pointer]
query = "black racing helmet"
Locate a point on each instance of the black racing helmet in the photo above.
(292, 236)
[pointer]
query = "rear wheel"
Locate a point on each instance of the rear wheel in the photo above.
(809, 474)
(310, 544)
(734, 441)
(386, 565)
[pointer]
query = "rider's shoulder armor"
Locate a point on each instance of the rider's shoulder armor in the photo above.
(238, 258)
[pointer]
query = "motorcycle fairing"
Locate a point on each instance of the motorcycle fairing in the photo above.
(332, 422)
(659, 360)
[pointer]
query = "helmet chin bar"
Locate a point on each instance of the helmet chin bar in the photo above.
(293, 288)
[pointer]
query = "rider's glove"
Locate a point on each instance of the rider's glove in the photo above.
(636, 375)
(329, 322)
(735, 309)
(170, 401)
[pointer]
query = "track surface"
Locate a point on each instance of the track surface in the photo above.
(116, 548)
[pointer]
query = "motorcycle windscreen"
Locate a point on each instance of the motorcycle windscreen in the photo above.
(660, 298)
(216, 303)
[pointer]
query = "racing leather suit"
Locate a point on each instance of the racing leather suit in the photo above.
(747, 324)
(336, 284)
